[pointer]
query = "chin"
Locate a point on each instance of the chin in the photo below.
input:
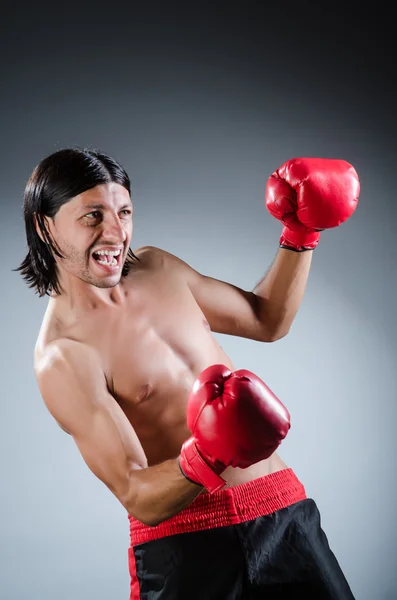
(109, 282)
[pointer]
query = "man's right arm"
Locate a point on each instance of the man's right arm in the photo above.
(74, 390)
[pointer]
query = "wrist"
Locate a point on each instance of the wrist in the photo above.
(299, 240)
(197, 470)
(184, 472)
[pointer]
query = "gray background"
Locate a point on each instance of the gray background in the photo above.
(201, 102)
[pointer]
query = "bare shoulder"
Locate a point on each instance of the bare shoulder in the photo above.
(65, 360)
(61, 353)
(70, 378)
(153, 256)
(159, 259)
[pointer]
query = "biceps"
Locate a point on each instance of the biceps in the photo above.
(111, 449)
(227, 308)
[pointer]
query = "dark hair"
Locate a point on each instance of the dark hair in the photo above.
(56, 180)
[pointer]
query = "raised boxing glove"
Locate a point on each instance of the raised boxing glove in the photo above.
(235, 421)
(311, 194)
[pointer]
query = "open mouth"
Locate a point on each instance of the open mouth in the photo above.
(107, 258)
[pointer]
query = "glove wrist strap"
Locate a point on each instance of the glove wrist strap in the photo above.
(196, 470)
(287, 247)
(299, 241)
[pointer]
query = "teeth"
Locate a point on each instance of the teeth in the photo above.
(112, 262)
(108, 252)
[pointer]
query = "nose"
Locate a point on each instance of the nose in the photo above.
(113, 229)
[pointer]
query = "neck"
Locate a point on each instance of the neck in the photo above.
(78, 297)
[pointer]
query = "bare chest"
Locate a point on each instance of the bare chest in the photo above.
(152, 349)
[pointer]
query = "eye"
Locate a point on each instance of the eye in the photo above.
(93, 218)
(126, 212)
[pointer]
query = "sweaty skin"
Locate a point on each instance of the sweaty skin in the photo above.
(116, 357)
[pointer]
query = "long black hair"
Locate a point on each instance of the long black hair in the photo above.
(56, 180)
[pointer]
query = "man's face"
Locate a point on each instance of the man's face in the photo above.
(93, 232)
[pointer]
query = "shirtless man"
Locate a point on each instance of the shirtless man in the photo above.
(127, 365)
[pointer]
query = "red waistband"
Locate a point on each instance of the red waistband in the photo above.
(227, 507)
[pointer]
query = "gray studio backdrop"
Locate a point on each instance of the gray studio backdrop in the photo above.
(200, 125)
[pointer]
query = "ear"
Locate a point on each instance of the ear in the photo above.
(39, 231)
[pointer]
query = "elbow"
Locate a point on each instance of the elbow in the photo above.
(148, 518)
(278, 335)
(153, 522)
(143, 510)
(272, 326)
(149, 521)
(274, 334)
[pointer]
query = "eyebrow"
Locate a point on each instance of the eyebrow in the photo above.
(99, 206)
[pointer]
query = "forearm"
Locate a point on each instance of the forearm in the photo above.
(281, 291)
(159, 492)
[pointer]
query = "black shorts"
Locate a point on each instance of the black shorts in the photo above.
(261, 539)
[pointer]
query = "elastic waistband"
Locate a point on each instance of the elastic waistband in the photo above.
(229, 506)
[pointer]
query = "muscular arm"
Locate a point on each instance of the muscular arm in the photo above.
(264, 314)
(74, 390)
(282, 289)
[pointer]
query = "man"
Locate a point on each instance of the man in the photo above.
(127, 365)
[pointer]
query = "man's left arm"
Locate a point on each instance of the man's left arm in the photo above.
(307, 196)
(264, 314)
(280, 292)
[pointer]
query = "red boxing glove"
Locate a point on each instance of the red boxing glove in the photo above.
(235, 420)
(311, 194)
